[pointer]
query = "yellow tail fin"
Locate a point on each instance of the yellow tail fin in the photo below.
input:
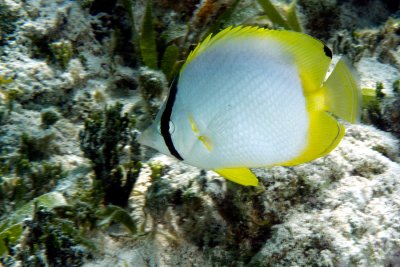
(342, 96)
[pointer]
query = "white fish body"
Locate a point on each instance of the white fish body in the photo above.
(251, 97)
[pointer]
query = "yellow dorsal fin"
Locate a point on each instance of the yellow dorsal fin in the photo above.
(342, 96)
(223, 35)
(325, 134)
(311, 56)
(241, 176)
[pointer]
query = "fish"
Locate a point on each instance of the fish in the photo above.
(251, 97)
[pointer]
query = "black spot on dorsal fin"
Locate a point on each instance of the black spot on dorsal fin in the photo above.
(327, 51)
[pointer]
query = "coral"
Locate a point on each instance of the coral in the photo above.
(381, 110)
(48, 241)
(9, 96)
(381, 43)
(29, 181)
(37, 147)
(49, 117)
(11, 227)
(286, 220)
(226, 221)
(62, 52)
(152, 88)
(8, 18)
(391, 112)
(115, 28)
(105, 140)
(348, 44)
(27, 171)
(320, 17)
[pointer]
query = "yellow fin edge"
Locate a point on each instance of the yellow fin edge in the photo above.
(242, 176)
(228, 33)
(324, 135)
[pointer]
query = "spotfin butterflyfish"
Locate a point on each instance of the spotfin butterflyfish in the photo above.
(252, 97)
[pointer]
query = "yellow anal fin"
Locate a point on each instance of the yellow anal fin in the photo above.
(241, 176)
(324, 135)
(342, 96)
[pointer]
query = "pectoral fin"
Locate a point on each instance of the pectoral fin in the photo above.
(241, 176)
(204, 139)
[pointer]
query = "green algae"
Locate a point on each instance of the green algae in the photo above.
(169, 62)
(8, 23)
(292, 18)
(28, 173)
(291, 22)
(102, 140)
(48, 241)
(273, 14)
(112, 214)
(49, 117)
(11, 227)
(220, 22)
(396, 86)
(62, 52)
(147, 39)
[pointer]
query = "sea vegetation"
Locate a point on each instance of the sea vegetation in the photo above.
(382, 110)
(174, 51)
(391, 111)
(8, 20)
(46, 239)
(62, 52)
(49, 117)
(107, 137)
(29, 173)
(291, 22)
(55, 230)
(236, 222)
(381, 42)
(26, 178)
(7, 101)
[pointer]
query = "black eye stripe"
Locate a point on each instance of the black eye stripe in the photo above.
(166, 119)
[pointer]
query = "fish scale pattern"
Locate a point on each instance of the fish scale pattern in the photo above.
(246, 97)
